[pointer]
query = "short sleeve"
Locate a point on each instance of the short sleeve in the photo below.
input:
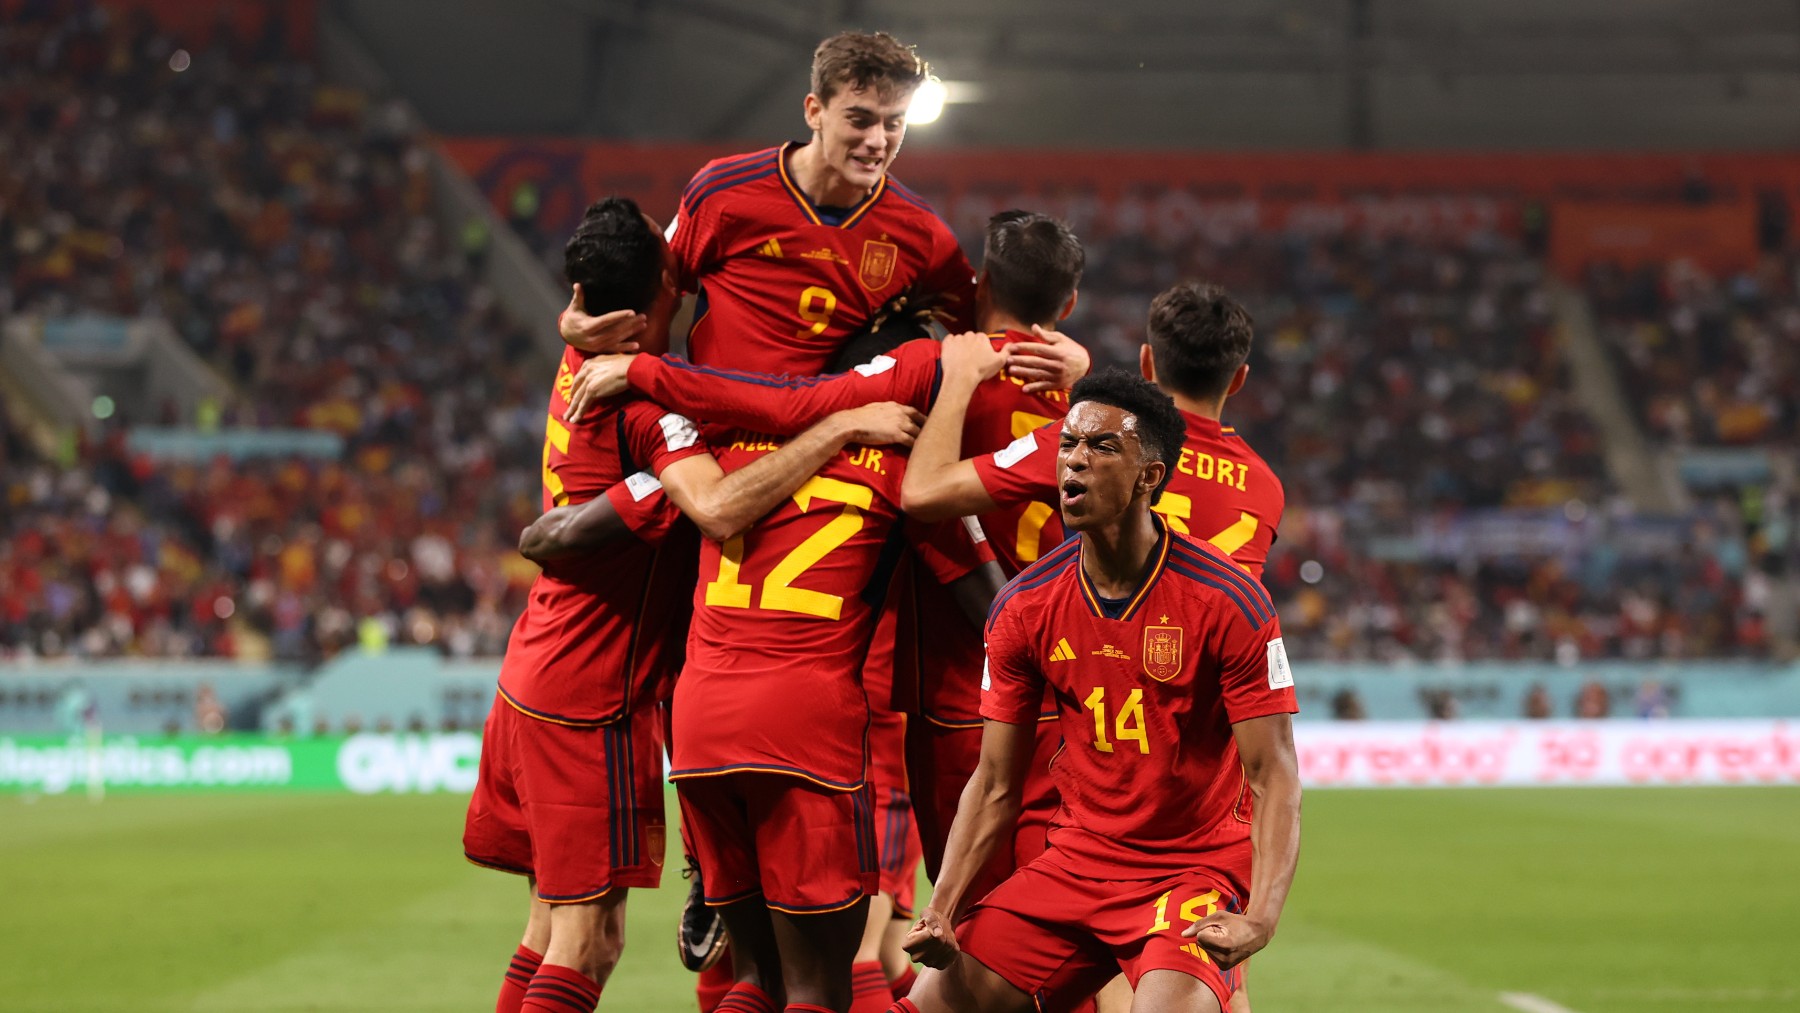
(1023, 470)
(1255, 678)
(646, 510)
(950, 550)
(949, 281)
(1012, 687)
(655, 438)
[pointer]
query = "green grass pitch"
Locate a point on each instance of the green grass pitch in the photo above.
(1598, 901)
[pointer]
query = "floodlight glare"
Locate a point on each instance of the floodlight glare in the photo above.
(927, 102)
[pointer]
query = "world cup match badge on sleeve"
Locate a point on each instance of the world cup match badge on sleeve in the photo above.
(1280, 675)
(1162, 652)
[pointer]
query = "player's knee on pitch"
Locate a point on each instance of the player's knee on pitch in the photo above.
(588, 937)
(1173, 992)
(965, 987)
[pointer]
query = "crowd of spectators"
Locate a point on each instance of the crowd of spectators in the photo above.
(1706, 360)
(283, 228)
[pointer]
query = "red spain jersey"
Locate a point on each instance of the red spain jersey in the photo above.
(1000, 413)
(781, 282)
(938, 680)
(602, 633)
(1222, 491)
(1147, 689)
(784, 615)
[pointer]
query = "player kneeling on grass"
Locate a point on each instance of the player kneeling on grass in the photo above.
(1174, 697)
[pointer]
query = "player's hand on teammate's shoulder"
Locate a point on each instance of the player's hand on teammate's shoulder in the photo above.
(971, 356)
(1229, 938)
(606, 333)
(880, 424)
(600, 377)
(932, 941)
(1053, 362)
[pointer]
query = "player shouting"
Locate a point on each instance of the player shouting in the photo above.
(1173, 852)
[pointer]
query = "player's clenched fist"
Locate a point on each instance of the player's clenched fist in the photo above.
(600, 377)
(932, 941)
(1229, 938)
(608, 332)
(881, 423)
(971, 356)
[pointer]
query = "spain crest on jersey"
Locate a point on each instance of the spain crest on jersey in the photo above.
(1162, 652)
(878, 262)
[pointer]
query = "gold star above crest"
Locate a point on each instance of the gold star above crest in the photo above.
(1165, 620)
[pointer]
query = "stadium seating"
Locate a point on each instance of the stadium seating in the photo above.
(283, 227)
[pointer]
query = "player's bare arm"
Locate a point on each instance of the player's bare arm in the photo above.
(939, 483)
(609, 332)
(1266, 745)
(984, 817)
(1053, 362)
(723, 505)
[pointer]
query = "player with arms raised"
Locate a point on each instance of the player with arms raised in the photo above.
(1173, 853)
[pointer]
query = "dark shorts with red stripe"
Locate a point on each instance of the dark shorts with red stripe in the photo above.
(578, 807)
(803, 847)
(1059, 937)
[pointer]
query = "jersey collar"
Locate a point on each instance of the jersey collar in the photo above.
(1205, 428)
(1160, 558)
(807, 208)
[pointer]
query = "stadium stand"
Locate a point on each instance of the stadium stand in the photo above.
(283, 227)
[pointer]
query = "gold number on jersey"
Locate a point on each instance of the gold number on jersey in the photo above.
(555, 435)
(778, 592)
(1025, 423)
(817, 304)
(1031, 531)
(1191, 912)
(1129, 726)
(1177, 510)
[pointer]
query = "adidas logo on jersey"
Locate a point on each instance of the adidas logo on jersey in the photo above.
(1062, 651)
(1109, 651)
(772, 248)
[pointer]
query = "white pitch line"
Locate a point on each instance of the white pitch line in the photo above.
(1525, 1002)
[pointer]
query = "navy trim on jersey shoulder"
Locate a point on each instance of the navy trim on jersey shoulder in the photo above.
(1247, 585)
(724, 167)
(906, 194)
(1213, 581)
(781, 381)
(700, 198)
(1037, 574)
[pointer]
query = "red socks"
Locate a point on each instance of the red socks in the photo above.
(868, 988)
(560, 990)
(746, 998)
(901, 987)
(714, 984)
(903, 1006)
(518, 978)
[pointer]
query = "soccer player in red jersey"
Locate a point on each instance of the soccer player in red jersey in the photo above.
(1030, 272)
(792, 249)
(1176, 843)
(1198, 352)
(568, 791)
